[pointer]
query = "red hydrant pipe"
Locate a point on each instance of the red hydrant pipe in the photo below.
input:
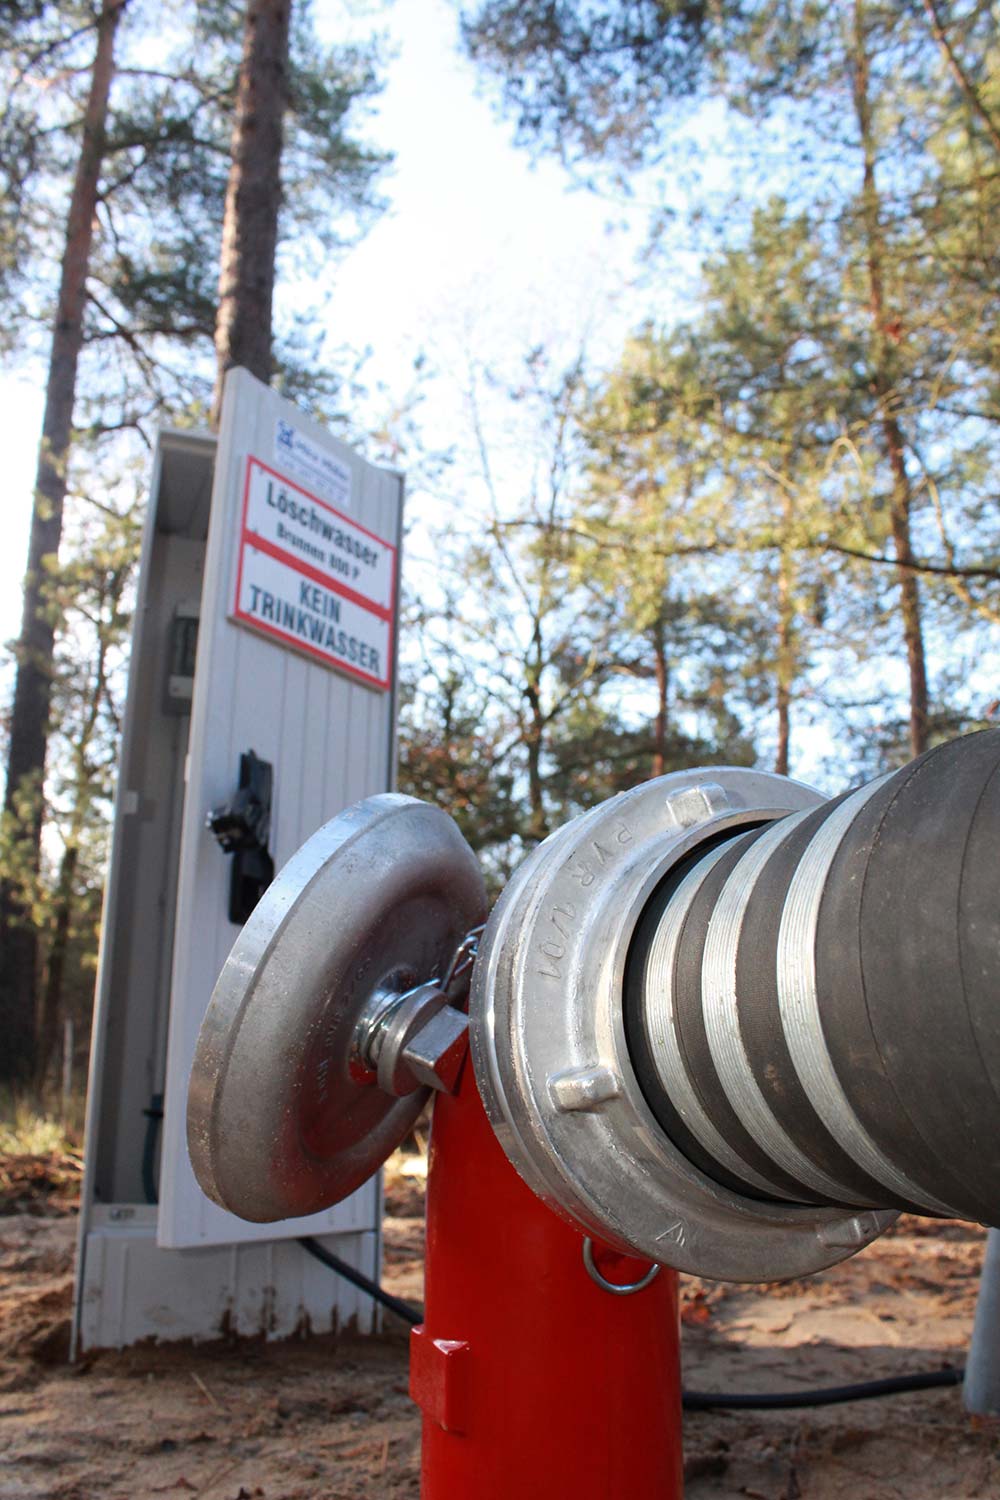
(534, 1382)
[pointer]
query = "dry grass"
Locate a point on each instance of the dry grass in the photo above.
(40, 1161)
(38, 1126)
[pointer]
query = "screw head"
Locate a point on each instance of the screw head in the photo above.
(584, 1088)
(693, 804)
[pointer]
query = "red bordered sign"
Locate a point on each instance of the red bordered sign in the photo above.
(313, 579)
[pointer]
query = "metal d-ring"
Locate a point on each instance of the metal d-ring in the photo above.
(617, 1289)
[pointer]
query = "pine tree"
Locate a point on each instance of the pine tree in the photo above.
(253, 197)
(135, 311)
(33, 685)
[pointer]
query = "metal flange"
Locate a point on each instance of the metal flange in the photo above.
(551, 1053)
(285, 1115)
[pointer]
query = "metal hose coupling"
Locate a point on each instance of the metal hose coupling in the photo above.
(736, 1028)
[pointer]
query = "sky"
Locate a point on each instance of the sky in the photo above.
(472, 220)
(478, 244)
(481, 249)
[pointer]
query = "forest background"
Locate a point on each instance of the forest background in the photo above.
(744, 511)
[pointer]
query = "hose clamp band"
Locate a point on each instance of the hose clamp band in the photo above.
(551, 1055)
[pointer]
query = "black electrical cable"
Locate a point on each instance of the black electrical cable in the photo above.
(404, 1310)
(865, 1390)
(154, 1115)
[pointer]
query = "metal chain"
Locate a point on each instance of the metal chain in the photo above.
(462, 961)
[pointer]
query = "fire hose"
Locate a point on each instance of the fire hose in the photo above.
(718, 1023)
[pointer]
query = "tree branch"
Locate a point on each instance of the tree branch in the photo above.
(966, 87)
(941, 570)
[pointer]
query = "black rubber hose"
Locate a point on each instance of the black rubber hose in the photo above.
(832, 983)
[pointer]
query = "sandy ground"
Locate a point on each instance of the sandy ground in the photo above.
(904, 1305)
(331, 1420)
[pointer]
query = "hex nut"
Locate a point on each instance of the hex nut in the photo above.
(401, 1024)
(435, 1054)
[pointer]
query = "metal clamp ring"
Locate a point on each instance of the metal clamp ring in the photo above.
(617, 1289)
(552, 1059)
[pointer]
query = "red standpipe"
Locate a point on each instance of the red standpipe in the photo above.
(534, 1382)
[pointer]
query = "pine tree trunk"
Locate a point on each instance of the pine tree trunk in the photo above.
(538, 827)
(786, 662)
(662, 669)
(883, 384)
(534, 737)
(33, 686)
(51, 1000)
(51, 1005)
(909, 589)
(253, 198)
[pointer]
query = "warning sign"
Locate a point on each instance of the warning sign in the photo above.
(284, 518)
(314, 579)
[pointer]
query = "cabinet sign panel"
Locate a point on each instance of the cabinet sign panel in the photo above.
(313, 579)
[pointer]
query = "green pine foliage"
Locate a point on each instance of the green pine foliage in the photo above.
(817, 438)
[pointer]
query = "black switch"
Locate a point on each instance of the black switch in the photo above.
(243, 827)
